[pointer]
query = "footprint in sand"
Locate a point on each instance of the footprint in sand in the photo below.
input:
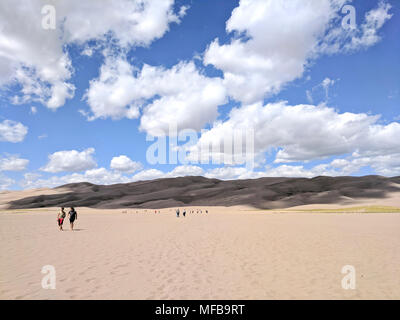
(71, 290)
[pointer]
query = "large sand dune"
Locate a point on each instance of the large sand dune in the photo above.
(266, 193)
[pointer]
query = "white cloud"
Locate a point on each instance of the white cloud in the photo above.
(12, 131)
(148, 174)
(326, 83)
(70, 160)
(386, 165)
(96, 176)
(275, 40)
(36, 59)
(123, 163)
(104, 177)
(280, 36)
(13, 163)
(323, 86)
(178, 171)
(180, 95)
(306, 132)
(232, 173)
(229, 173)
(374, 20)
(185, 170)
(5, 182)
(33, 110)
(131, 23)
(358, 38)
(111, 95)
(187, 98)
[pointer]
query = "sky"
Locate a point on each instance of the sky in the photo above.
(127, 90)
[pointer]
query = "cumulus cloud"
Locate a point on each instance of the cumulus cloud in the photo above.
(131, 23)
(178, 171)
(96, 176)
(148, 174)
(13, 163)
(70, 161)
(386, 165)
(185, 170)
(188, 98)
(105, 177)
(12, 131)
(306, 132)
(181, 95)
(35, 58)
(274, 40)
(111, 94)
(123, 163)
(230, 173)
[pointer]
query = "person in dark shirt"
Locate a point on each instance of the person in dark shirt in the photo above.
(73, 215)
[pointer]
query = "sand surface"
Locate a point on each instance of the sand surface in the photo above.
(230, 253)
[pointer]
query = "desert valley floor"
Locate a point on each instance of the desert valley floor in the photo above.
(229, 253)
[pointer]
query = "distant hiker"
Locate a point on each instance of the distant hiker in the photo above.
(184, 212)
(60, 218)
(206, 211)
(73, 215)
(177, 213)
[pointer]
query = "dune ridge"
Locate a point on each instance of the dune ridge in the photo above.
(262, 193)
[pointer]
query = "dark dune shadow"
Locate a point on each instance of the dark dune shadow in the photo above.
(263, 193)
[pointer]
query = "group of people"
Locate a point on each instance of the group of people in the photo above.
(190, 211)
(73, 215)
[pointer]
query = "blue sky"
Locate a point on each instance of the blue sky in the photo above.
(322, 100)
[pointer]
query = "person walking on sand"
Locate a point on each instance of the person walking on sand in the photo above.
(184, 212)
(73, 215)
(60, 218)
(177, 213)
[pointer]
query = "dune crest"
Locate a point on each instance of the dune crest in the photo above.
(263, 193)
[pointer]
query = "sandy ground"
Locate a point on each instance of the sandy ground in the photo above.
(228, 253)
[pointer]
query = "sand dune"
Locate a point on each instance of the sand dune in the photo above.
(7, 196)
(227, 254)
(265, 193)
